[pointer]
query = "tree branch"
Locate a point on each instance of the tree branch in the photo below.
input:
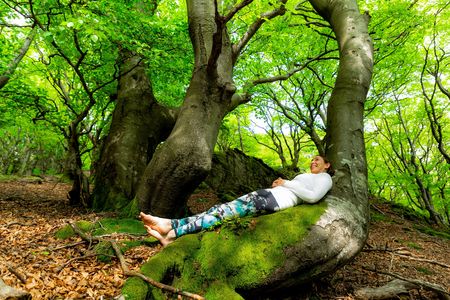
(4, 78)
(237, 48)
(235, 9)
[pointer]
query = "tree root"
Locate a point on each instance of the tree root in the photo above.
(126, 271)
(7, 292)
(408, 283)
(402, 252)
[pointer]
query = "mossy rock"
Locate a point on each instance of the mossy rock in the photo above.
(221, 262)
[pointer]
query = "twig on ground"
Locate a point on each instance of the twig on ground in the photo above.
(18, 223)
(406, 254)
(19, 275)
(378, 209)
(66, 246)
(155, 283)
(427, 285)
(60, 268)
(7, 292)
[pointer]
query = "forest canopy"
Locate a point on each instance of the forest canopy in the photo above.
(62, 62)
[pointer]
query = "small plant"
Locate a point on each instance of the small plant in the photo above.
(424, 271)
(414, 246)
(236, 224)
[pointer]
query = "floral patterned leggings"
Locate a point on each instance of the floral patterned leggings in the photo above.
(261, 200)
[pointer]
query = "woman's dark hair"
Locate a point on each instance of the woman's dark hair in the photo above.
(330, 169)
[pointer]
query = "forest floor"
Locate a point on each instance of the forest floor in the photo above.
(33, 260)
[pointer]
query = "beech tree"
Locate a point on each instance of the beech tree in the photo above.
(183, 161)
(341, 231)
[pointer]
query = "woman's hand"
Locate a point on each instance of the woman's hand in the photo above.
(277, 182)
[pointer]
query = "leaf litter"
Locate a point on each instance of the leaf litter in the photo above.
(31, 213)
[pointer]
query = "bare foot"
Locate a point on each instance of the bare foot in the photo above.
(162, 225)
(164, 240)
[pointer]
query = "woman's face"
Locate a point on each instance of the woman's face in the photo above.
(318, 165)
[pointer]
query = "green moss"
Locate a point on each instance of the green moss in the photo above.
(215, 263)
(104, 251)
(424, 271)
(131, 210)
(414, 246)
(433, 232)
(111, 225)
(377, 217)
(219, 290)
(135, 289)
(67, 231)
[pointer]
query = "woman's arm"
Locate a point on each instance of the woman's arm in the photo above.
(310, 188)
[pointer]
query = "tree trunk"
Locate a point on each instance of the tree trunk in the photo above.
(138, 125)
(73, 168)
(341, 232)
(4, 78)
(184, 160)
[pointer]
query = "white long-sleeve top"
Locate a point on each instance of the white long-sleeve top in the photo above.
(307, 187)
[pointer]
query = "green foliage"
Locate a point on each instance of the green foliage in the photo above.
(424, 270)
(215, 263)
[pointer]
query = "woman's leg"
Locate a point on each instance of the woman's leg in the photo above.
(240, 207)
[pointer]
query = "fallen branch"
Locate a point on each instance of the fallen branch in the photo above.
(390, 290)
(430, 261)
(427, 285)
(126, 270)
(18, 223)
(60, 268)
(21, 277)
(66, 246)
(406, 254)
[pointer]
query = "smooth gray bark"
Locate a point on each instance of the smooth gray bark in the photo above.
(342, 231)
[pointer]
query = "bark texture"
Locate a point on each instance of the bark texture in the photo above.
(228, 258)
(79, 193)
(184, 160)
(138, 125)
(341, 232)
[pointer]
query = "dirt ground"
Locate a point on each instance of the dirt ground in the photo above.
(33, 260)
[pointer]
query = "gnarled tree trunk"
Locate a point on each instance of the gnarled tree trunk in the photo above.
(341, 232)
(184, 159)
(138, 125)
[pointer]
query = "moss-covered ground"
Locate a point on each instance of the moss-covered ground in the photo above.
(109, 226)
(239, 254)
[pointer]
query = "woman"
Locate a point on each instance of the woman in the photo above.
(308, 188)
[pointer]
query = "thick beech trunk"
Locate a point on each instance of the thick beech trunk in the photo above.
(342, 231)
(138, 125)
(184, 160)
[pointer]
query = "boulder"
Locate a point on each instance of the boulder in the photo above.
(234, 173)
